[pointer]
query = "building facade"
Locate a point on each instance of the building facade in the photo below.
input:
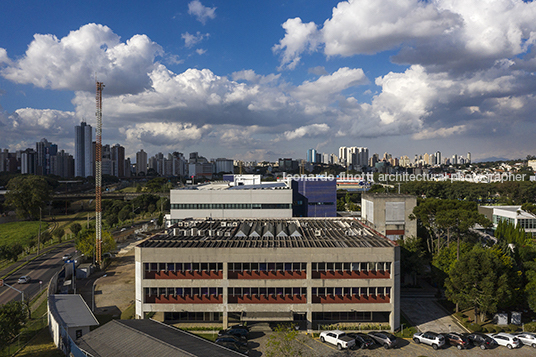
(511, 214)
(237, 270)
(389, 214)
(230, 203)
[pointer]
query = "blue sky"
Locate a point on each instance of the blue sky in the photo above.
(262, 80)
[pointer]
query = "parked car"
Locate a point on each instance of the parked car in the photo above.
(241, 332)
(436, 340)
(235, 347)
(457, 339)
(362, 340)
(526, 338)
(337, 338)
(231, 338)
(383, 338)
(507, 340)
(24, 279)
(480, 340)
(67, 257)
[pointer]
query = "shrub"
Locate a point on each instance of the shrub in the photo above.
(530, 327)
(474, 327)
(498, 329)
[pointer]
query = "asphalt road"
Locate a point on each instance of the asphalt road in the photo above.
(41, 269)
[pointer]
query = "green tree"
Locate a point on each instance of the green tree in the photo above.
(27, 194)
(530, 289)
(160, 221)
(59, 233)
(282, 342)
(412, 257)
(85, 244)
(12, 319)
(76, 228)
(478, 279)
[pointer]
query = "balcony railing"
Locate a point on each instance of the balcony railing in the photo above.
(184, 274)
(351, 299)
(267, 299)
(255, 274)
(186, 299)
(375, 274)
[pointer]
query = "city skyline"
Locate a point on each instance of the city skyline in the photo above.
(262, 81)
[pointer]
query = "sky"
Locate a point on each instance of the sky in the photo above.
(262, 80)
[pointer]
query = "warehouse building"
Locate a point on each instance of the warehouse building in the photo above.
(314, 270)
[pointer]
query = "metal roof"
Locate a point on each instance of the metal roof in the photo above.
(73, 310)
(127, 338)
(269, 233)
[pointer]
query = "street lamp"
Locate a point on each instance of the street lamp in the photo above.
(93, 293)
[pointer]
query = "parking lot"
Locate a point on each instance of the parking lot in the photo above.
(312, 347)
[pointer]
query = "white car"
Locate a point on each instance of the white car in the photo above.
(506, 339)
(526, 338)
(337, 338)
(24, 279)
(436, 340)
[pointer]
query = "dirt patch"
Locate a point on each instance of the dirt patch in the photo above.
(114, 293)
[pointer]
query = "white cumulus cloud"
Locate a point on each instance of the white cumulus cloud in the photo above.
(72, 62)
(201, 13)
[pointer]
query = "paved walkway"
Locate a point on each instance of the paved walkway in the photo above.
(421, 307)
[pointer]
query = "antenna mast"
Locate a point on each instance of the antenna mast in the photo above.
(98, 176)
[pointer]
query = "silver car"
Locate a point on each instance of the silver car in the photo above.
(527, 338)
(24, 279)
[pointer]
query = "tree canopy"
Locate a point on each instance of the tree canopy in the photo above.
(12, 319)
(479, 279)
(28, 193)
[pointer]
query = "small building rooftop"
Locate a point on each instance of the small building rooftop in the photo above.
(73, 310)
(126, 338)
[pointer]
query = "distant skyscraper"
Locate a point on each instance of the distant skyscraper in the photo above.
(311, 155)
(468, 157)
(83, 154)
(118, 160)
(438, 158)
(141, 162)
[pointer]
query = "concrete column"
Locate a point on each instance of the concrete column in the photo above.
(225, 318)
(309, 298)
(225, 286)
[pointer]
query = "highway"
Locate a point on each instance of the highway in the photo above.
(40, 269)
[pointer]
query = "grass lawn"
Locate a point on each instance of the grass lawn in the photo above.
(20, 232)
(41, 345)
(129, 312)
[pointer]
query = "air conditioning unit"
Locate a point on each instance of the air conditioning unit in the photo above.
(179, 224)
(227, 234)
(223, 224)
(235, 224)
(193, 231)
(318, 233)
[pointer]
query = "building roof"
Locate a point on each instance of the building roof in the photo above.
(72, 310)
(269, 233)
(126, 338)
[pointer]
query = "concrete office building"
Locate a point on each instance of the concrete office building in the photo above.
(231, 202)
(389, 214)
(311, 270)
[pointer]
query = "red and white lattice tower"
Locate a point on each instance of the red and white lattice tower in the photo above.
(98, 177)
